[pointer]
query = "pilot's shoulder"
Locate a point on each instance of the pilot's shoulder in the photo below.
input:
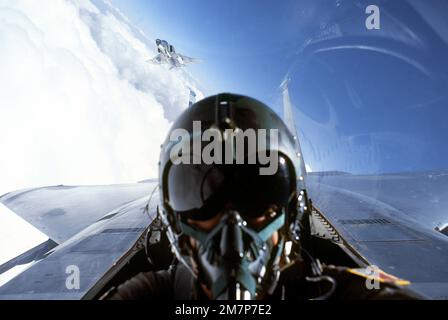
(368, 283)
(372, 273)
(145, 285)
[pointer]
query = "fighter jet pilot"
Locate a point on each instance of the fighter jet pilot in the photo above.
(236, 233)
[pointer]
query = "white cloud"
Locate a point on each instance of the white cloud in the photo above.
(18, 237)
(78, 103)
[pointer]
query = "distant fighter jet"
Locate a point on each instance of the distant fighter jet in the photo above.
(168, 55)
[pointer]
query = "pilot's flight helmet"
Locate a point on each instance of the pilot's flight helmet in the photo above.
(158, 41)
(231, 192)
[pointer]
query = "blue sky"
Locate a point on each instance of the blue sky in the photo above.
(376, 105)
(244, 48)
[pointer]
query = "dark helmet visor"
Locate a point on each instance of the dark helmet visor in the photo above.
(200, 192)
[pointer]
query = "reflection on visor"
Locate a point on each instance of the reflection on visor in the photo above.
(200, 192)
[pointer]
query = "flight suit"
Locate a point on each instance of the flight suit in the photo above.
(177, 283)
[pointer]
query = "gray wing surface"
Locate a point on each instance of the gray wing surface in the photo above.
(159, 59)
(93, 251)
(387, 219)
(62, 211)
(188, 60)
(382, 228)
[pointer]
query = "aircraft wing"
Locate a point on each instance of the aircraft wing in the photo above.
(188, 60)
(159, 59)
(99, 240)
(381, 228)
(62, 211)
(388, 220)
